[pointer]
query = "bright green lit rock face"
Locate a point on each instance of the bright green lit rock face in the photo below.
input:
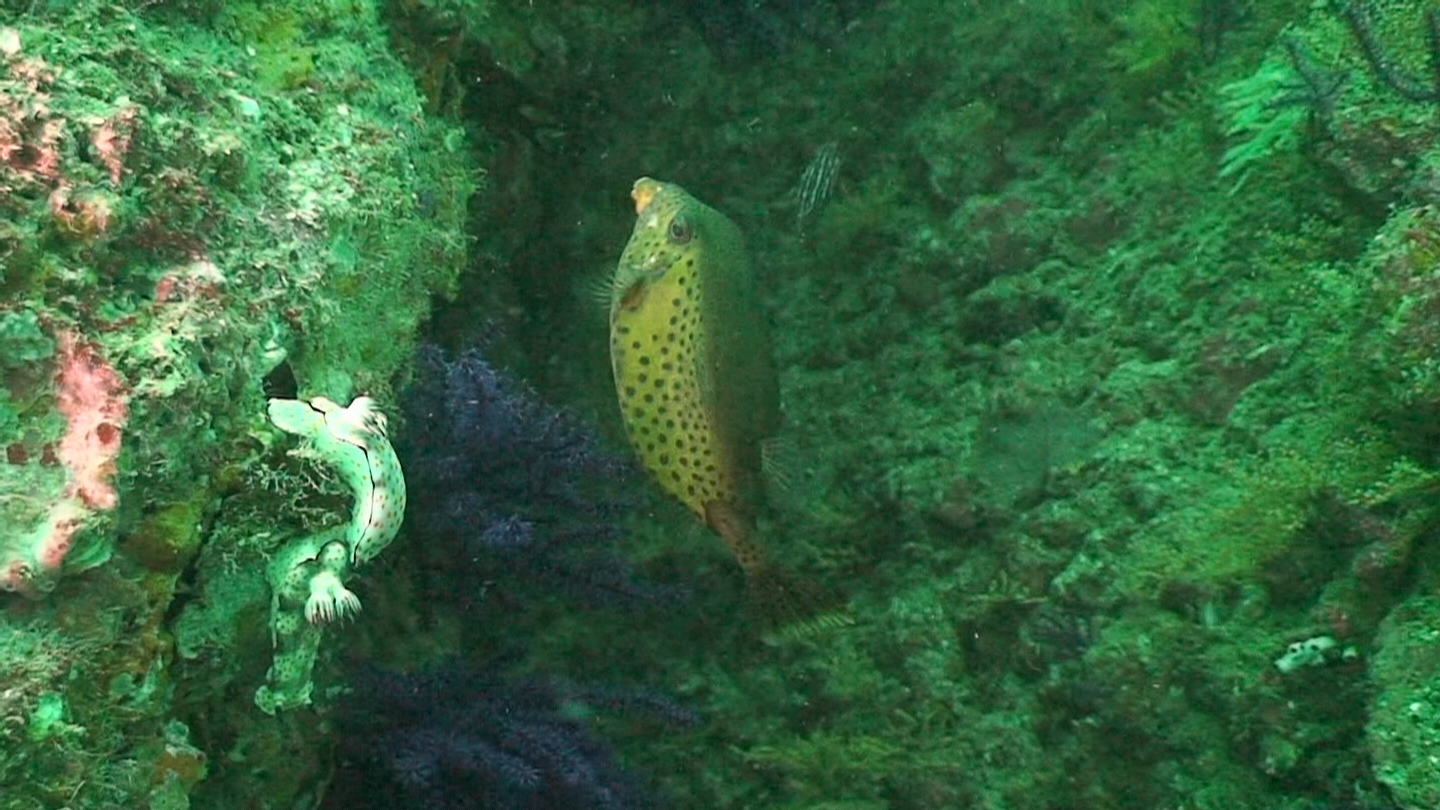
(199, 200)
(1403, 729)
(48, 716)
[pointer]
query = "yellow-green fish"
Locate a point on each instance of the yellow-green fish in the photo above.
(690, 349)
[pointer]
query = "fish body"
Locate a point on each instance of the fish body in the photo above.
(697, 386)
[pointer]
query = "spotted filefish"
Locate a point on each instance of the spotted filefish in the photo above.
(698, 390)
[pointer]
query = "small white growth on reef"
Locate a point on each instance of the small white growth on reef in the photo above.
(1312, 652)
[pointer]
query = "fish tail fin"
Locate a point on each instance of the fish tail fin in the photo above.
(788, 606)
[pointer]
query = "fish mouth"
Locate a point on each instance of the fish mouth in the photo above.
(644, 192)
(651, 265)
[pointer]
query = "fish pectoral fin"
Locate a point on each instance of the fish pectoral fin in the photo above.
(601, 290)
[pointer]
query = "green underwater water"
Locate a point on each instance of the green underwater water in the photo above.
(1106, 335)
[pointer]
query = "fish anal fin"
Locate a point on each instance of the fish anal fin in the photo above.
(790, 607)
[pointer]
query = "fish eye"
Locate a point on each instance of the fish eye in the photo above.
(679, 231)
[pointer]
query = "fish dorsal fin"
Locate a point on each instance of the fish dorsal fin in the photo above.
(780, 464)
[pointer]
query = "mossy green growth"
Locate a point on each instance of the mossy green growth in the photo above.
(9, 419)
(23, 340)
(1403, 727)
(1258, 124)
(378, 259)
(1157, 33)
(167, 537)
(1257, 510)
(828, 756)
(852, 228)
(284, 60)
(48, 718)
(1018, 452)
(1157, 37)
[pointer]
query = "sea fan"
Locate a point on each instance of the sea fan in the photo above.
(507, 491)
(456, 739)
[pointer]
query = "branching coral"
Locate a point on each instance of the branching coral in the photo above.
(464, 740)
(507, 489)
(1424, 90)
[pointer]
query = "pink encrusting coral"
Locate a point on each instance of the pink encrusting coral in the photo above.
(90, 396)
(111, 139)
(30, 134)
(93, 400)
